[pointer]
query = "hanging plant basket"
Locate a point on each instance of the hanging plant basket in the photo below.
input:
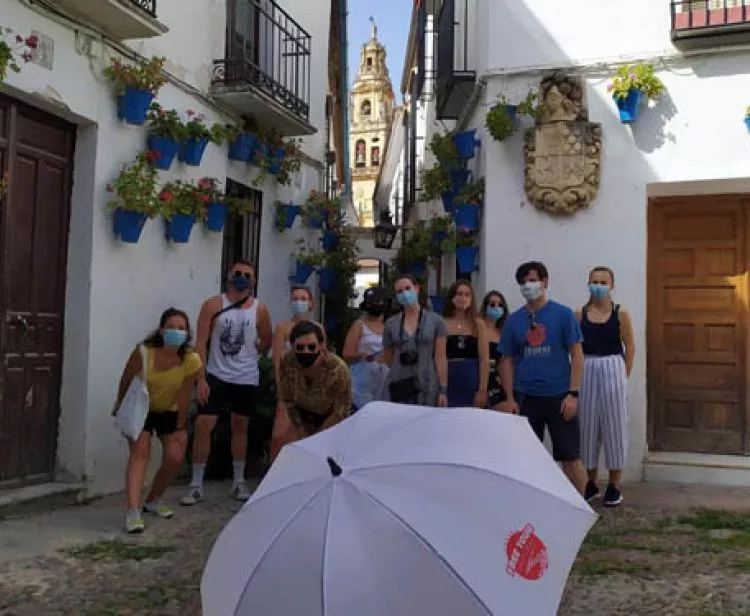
(629, 106)
(244, 147)
(275, 160)
(465, 143)
(302, 272)
(127, 225)
(166, 149)
(132, 106)
(466, 259)
(438, 303)
(191, 151)
(286, 213)
(314, 218)
(467, 215)
(327, 279)
(179, 228)
(216, 216)
(459, 179)
(330, 241)
(418, 270)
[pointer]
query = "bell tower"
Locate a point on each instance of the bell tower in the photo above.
(371, 113)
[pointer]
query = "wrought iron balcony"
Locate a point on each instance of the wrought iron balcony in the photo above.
(266, 69)
(121, 19)
(455, 77)
(723, 21)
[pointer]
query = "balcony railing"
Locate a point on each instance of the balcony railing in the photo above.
(267, 52)
(709, 18)
(455, 75)
(147, 6)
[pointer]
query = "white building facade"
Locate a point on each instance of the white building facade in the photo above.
(670, 215)
(82, 298)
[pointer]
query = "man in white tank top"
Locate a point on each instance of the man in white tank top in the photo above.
(231, 336)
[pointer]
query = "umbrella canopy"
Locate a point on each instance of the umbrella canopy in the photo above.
(403, 510)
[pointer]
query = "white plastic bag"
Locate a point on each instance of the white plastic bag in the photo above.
(131, 415)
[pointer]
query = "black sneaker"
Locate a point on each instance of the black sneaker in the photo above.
(612, 496)
(591, 492)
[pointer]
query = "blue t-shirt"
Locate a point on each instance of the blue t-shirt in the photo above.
(540, 347)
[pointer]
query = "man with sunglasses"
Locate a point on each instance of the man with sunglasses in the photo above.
(541, 368)
(233, 332)
(315, 385)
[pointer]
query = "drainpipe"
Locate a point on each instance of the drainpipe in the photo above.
(344, 42)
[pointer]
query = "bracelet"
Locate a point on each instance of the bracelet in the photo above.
(573, 393)
(442, 390)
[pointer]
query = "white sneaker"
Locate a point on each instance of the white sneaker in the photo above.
(240, 491)
(193, 497)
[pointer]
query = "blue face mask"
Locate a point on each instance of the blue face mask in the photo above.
(240, 282)
(598, 291)
(174, 338)
(407, 298)
(495, 312)
(300, 306)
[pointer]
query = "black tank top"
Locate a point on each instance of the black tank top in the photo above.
(461, 347)
(602, 339)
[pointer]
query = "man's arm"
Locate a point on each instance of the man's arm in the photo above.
(507, 375)
(264, 329)
(203, 330)
(628, 339)
(340, 392)
(576, 366)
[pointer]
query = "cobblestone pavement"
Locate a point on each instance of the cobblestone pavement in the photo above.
(657, 555)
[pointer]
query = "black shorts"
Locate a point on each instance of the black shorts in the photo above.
(228, 398)
(161, 423)
(544, 411)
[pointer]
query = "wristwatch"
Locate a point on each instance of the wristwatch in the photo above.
(442, 390)
(573, 393)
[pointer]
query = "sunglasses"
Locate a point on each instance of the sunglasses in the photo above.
(310, 348)
(247, 275)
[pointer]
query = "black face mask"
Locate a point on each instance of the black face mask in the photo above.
(306, 360)
(375, 311)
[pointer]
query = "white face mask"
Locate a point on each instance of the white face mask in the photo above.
(532, 290)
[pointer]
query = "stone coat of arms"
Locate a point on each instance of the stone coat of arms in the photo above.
(562, 153)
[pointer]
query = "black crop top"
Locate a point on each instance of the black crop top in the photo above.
(461, 347)
(602, 339)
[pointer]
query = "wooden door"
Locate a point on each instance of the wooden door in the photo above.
(697, 322)
(37, 157)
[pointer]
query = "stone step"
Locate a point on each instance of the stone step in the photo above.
(694, 468)
(30, 499)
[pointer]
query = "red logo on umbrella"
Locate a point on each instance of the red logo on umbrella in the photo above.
(527, 554)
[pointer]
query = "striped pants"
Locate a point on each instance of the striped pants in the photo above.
(603, 411)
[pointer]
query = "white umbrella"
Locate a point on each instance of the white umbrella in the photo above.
(403, 510)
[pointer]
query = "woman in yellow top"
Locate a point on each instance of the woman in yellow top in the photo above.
(172, 370)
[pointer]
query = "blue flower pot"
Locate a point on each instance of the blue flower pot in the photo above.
(133, 106)
(179, 228)
(167, 149)
(438, 237)
(512, 111)
(275, 158)
(327, 278)
(243, 148)
(418, 270)
(330, 241)
(629, 106)
(315, 219)
(448, 204)
(288, 214)
(465, 143)
(216, 216)
(459, 178)
(127, 225)
(466, 259)
(747, 123)
(438, 303)
(302, 272)
(191, 151)
(467, 215)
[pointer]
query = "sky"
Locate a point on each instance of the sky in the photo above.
(392, 18)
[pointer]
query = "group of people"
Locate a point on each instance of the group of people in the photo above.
(564, 371)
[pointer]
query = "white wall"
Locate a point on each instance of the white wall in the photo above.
(116, 291)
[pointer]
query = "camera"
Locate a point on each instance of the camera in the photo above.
(408, 358)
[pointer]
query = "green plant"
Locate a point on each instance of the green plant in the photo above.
(316, 258)
(196, 130)
(747, 111)
(444, 226)
(528, 106)
(280, 212)
(21, 48)
(143, 75)
(637, 77)
(165, 123)
(436, 180)
(416, 248)
(343, 261)
(209, 191)
(434, 183)
(443, 148)
(135, 187)
(319, 204)
(273, 141)
(499, 122)
(473, 192)
(181, 197)
(248, 125)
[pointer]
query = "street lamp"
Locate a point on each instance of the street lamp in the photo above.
(385, 231)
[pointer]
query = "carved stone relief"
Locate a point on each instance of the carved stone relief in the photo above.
(562, 153)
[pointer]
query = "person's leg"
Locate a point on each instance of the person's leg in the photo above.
(243, 401)
(173, 453)
(614, 426)
(530, 408)
(135, 473)
(566, 443)
(589, 405)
